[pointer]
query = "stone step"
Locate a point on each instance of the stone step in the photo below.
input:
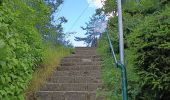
(84, 56)
(92, 51)
(80, 63)
(67, 95)
(85, 48)
(79, 67)
(75, 59)
(85, 52)
(78, 77)
(74, 79)
(92, 73)
(70, 86)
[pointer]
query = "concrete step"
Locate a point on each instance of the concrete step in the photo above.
(75, 59)
(84, 56)
(85, 52)
(74, 79)
(70, 86)
(92, 51)
(92, 73)
(81, 63)
(85, 48)
(79, 67)
(67, 95)
(77, 78)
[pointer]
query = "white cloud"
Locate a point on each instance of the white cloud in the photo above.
(96, 3)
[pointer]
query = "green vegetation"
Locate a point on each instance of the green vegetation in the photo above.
(53, 55)
(30, 47)
(111, 75)
(22, 49)
(147, 47)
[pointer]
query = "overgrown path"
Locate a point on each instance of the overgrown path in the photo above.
(77, 78)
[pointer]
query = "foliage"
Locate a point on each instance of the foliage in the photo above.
(111, 75)
(52, 30)
(152, 44)
(90, 33)
(146, 34)
(53, 55)
(22, 23)
(20, 48)
(110, 6)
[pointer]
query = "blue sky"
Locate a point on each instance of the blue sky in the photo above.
(72, 9)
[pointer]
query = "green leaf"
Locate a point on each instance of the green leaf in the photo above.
(21, 97)
(2, 92)
(2, 79)
(2, 43)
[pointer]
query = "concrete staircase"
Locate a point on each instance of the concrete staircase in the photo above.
(77, 78)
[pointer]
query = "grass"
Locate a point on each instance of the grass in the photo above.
(53, 56)
(111, 75)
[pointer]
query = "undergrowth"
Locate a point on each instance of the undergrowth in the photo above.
(111, 75)
(146, 41)
(53, 55)
(23, 27)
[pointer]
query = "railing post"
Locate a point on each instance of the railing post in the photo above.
(120, 28)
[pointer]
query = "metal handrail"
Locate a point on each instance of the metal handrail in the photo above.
(111, 47)
(122, 67)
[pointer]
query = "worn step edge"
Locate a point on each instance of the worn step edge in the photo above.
(79, 63)
(71, 86)
(82, 48)
(80, 56)
(83, 56)
(68, 95)
(80, 59)
(67, 91)
(63, 68)
(78, 73)
(74, 79)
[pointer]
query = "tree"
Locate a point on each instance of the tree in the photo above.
(146, 35)
(93, 30)
(152, 44)
(22, 25)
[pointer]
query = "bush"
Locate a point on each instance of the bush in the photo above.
(111, 75)
(151, 39)
(20, 45)
(146, 34)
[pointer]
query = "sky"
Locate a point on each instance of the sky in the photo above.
(77, 12)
